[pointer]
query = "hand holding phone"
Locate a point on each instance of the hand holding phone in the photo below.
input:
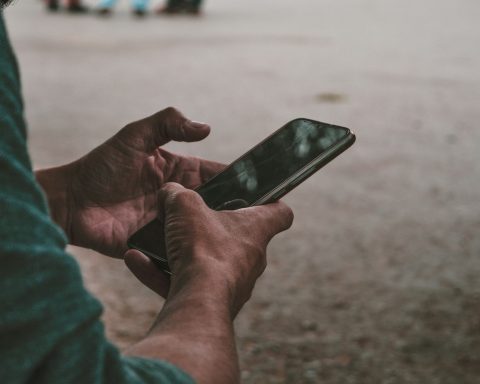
(200, 240)
(262, 175)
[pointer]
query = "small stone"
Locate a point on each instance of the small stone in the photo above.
(330, 97)
(309, 325)
(245, 375)
(310, 374)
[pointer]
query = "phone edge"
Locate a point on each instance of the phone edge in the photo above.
(317, 163)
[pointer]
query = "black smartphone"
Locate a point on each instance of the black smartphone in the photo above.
(262, 175)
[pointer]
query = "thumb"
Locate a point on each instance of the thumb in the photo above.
(171, 124)
(154, 131)
(173, 197)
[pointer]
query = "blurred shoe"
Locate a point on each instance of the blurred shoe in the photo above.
(77, 8)
(178, 7)
(52, 5)
(104, 11)
(193, 10)
(139, 13)
(169, 10)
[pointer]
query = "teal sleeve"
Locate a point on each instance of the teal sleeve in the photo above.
(50, 328)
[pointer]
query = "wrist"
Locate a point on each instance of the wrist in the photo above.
(194, 331)
(56, 183)
(206, 285)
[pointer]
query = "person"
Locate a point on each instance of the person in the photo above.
(173, 7)
(50, 326)
(72, 6)
(139, 7)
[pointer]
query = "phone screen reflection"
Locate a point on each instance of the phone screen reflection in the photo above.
(270, 163)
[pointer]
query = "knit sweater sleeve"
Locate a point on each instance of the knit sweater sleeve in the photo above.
(50, 327)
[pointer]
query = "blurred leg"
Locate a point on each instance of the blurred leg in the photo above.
(194, 7)
(140, 5)
(106, 4)
(173, 3)
(52, 5)
(105, 7)
(196, 3)
(76, 6)
(173, 7)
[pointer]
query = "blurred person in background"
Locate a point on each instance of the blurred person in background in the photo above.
(139, 7)
(73, 6)
(50, 326)
(173, 7)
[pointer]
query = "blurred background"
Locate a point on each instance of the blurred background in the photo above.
(378, 280)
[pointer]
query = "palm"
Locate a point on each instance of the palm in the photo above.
(116, 187)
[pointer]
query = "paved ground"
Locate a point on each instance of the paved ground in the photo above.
(378, 281)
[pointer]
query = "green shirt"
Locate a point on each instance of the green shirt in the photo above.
(50, 328)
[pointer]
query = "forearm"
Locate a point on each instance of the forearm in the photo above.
(55, 182)
(195, 331)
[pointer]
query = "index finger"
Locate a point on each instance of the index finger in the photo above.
(275, 217)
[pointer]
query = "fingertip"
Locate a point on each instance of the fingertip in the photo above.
(196, 131)
(134, 257)
(175, 196)
(147, 272)
(171, 124)
(171, 185)
(170, 189)
(289, 215)
(168, 192)
(285, 213)
(278, 215)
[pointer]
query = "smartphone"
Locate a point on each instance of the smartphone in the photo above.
(262, 175)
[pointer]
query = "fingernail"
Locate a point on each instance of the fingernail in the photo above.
(198, 124)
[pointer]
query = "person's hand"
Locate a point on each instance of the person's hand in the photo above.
(113, 190)
(215, 258)
(220, 252)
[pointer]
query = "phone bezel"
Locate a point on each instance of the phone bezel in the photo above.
(298, 177)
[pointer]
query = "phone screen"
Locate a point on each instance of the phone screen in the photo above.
(271, 162)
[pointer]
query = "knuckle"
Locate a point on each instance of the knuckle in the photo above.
(171, 111)
(169, 191)
(128, 129)
(186, 197)
(170, 187)
(256, 251)
(182, 129)
(262, 265)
